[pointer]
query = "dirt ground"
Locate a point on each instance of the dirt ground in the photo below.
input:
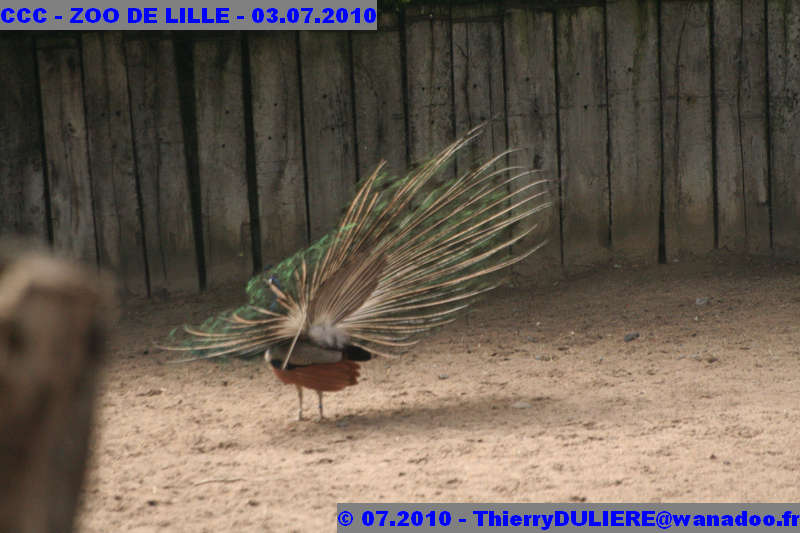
(535, 395)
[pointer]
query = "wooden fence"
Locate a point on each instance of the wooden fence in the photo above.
(184, 160)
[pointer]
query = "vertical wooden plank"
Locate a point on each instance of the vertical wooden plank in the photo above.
(161, 163)
(66, 147)
(429, 83)
(634, 110)
(729, 177)
(582, 108)
(329, 128)
(380, 97)
(478, 88)
(687, 145)
(222, 166)
(741, 125)
(119, 233)
(532, 123)
(275, 80)
(755, 125)
(784, 120)
(22, 198)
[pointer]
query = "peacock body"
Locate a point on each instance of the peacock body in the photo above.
(408, 255)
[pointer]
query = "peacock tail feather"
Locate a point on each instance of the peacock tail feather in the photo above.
(407, 256)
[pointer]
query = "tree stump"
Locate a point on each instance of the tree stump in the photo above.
(53, 320)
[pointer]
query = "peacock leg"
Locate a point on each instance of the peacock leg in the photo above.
(299, 402)
(319, 395)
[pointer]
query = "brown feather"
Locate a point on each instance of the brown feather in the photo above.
(329, 377)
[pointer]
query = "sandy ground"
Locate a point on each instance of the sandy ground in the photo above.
(533, 396)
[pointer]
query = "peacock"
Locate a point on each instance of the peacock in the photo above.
(408, 255)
